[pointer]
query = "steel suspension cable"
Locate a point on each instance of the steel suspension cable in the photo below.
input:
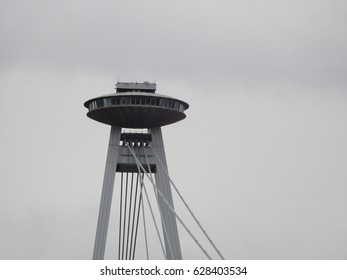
(137, 219)
(125, 213)
(161, 216)
(144, 228)
(188, 208)
(168, 204)
(154, 220)
(133, 216)
(144, 218)
(120, 216)
(129, 213)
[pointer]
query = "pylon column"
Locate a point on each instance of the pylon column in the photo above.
(172, 243)
(106, 194)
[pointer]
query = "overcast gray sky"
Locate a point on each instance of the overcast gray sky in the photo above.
(261, 156)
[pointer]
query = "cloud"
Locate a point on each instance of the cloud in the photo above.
(269, 42)
(264, 137)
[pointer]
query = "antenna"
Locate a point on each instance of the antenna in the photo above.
(117, 82)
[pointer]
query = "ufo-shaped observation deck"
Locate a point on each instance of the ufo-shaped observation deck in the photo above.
(136, 105)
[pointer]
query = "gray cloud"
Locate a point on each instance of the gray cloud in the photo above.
(261, 156)
(298, 42)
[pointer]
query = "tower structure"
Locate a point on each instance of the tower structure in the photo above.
(136, 106)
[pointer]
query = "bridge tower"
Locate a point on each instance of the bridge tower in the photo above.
(132, 154)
